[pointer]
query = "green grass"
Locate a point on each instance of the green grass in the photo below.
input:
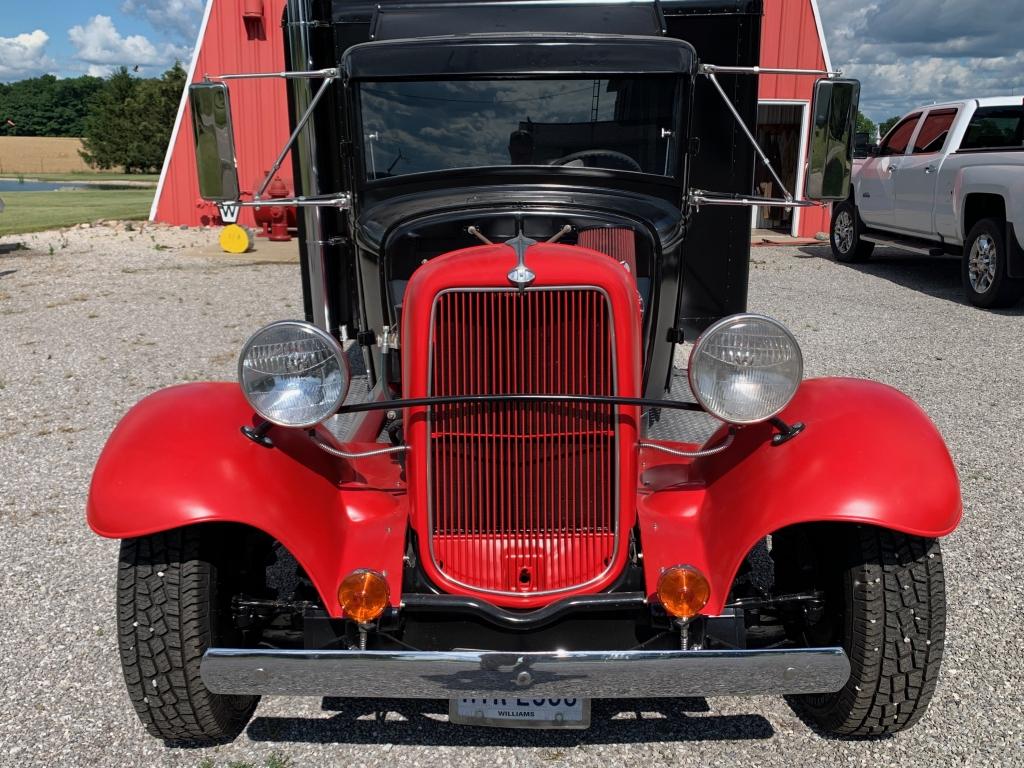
(152, 178)
(39, 211)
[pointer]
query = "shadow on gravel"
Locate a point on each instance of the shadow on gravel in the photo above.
(7, 248)
(424, 723)
(937, 276)
(800, 710)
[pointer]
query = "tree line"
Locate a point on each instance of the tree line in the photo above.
(124, 121)
(866, 125)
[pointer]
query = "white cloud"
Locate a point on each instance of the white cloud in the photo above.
(24, 56)
(102, 48)
(922, 51)
(182, 17)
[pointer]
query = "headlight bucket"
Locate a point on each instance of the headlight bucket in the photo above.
(293, 374)
(745, 369)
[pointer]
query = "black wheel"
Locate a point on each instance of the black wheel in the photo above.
(886, 605)
(171, 603)
(844, 234)
(984, 267)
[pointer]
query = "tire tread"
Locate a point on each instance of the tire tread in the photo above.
(894, 635)
(164, 589)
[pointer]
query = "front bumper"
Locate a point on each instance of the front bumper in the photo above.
(585, 674)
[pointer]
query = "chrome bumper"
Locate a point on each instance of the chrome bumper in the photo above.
(589, 674)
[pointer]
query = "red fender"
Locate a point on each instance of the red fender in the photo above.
(869, 455)
(178, 458)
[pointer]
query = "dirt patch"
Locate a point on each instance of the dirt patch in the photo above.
(29, 154)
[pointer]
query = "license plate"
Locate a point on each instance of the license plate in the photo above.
(521, 712)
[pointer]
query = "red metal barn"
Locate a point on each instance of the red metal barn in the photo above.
(246, 36)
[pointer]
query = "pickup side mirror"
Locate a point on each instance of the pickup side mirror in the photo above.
(832, 133)
(215, 142)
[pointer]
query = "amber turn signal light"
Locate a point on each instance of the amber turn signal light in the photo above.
(684, 591)
(364, 595)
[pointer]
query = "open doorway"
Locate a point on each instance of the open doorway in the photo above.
(780, 132)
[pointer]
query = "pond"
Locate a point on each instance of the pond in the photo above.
(9, 185)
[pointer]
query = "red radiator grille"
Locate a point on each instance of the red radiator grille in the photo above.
(522, 494)
(617, 242)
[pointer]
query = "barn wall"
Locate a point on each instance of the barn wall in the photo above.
(790, 38)
(230, 43)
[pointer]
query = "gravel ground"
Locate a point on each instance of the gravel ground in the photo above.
(92, 320)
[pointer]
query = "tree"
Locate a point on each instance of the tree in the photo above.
(130, 121)
(866, 125)
(888, 125)
(46, 106)
(109, 137)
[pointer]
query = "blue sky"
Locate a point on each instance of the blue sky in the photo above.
(73, 37)
(906, 52)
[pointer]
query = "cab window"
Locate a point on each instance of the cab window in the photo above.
(995, 128)
(423, 126)
(898, 140)
(934, 132)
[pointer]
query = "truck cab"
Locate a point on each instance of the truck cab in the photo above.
(939, 173)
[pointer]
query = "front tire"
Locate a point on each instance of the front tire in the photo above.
(170, 609)
(844, 234)
(886, 605)
(986, 282)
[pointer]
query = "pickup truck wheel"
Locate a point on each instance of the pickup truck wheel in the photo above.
(168, 613)
(847, 247)
(984, 267)
(887, 607)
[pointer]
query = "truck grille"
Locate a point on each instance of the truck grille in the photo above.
(523, 495)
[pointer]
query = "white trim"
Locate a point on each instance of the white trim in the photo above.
(821, 35)
(805, 136)
(181, 110)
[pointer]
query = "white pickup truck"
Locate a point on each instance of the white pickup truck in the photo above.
(948, 178)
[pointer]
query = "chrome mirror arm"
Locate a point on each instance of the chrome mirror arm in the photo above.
(342, 202)
(313, 74)
(328, 75)
(299, 126)
(709, 72)
(700, 197)
(711, 69)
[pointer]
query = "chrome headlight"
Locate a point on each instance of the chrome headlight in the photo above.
(293, 374)
(746, 368)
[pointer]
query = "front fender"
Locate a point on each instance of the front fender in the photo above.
(869, 455)
(179, 458)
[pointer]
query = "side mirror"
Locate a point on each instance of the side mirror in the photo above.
(831, 157)
(876, 150)
(215, 142)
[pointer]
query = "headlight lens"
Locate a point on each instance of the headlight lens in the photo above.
(746, 368)
(293, 374)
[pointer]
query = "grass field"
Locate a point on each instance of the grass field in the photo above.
(29, 154)
(39, 211)
(151, 178)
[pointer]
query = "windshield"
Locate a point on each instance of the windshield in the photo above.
(619, 123)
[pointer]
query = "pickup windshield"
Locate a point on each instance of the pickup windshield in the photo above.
(618, 123)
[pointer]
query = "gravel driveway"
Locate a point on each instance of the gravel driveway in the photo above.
(92, 320)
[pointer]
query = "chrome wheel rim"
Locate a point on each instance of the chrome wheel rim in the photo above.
(981, 263)
(844, 232)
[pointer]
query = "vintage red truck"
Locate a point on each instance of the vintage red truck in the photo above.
(512, 213)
